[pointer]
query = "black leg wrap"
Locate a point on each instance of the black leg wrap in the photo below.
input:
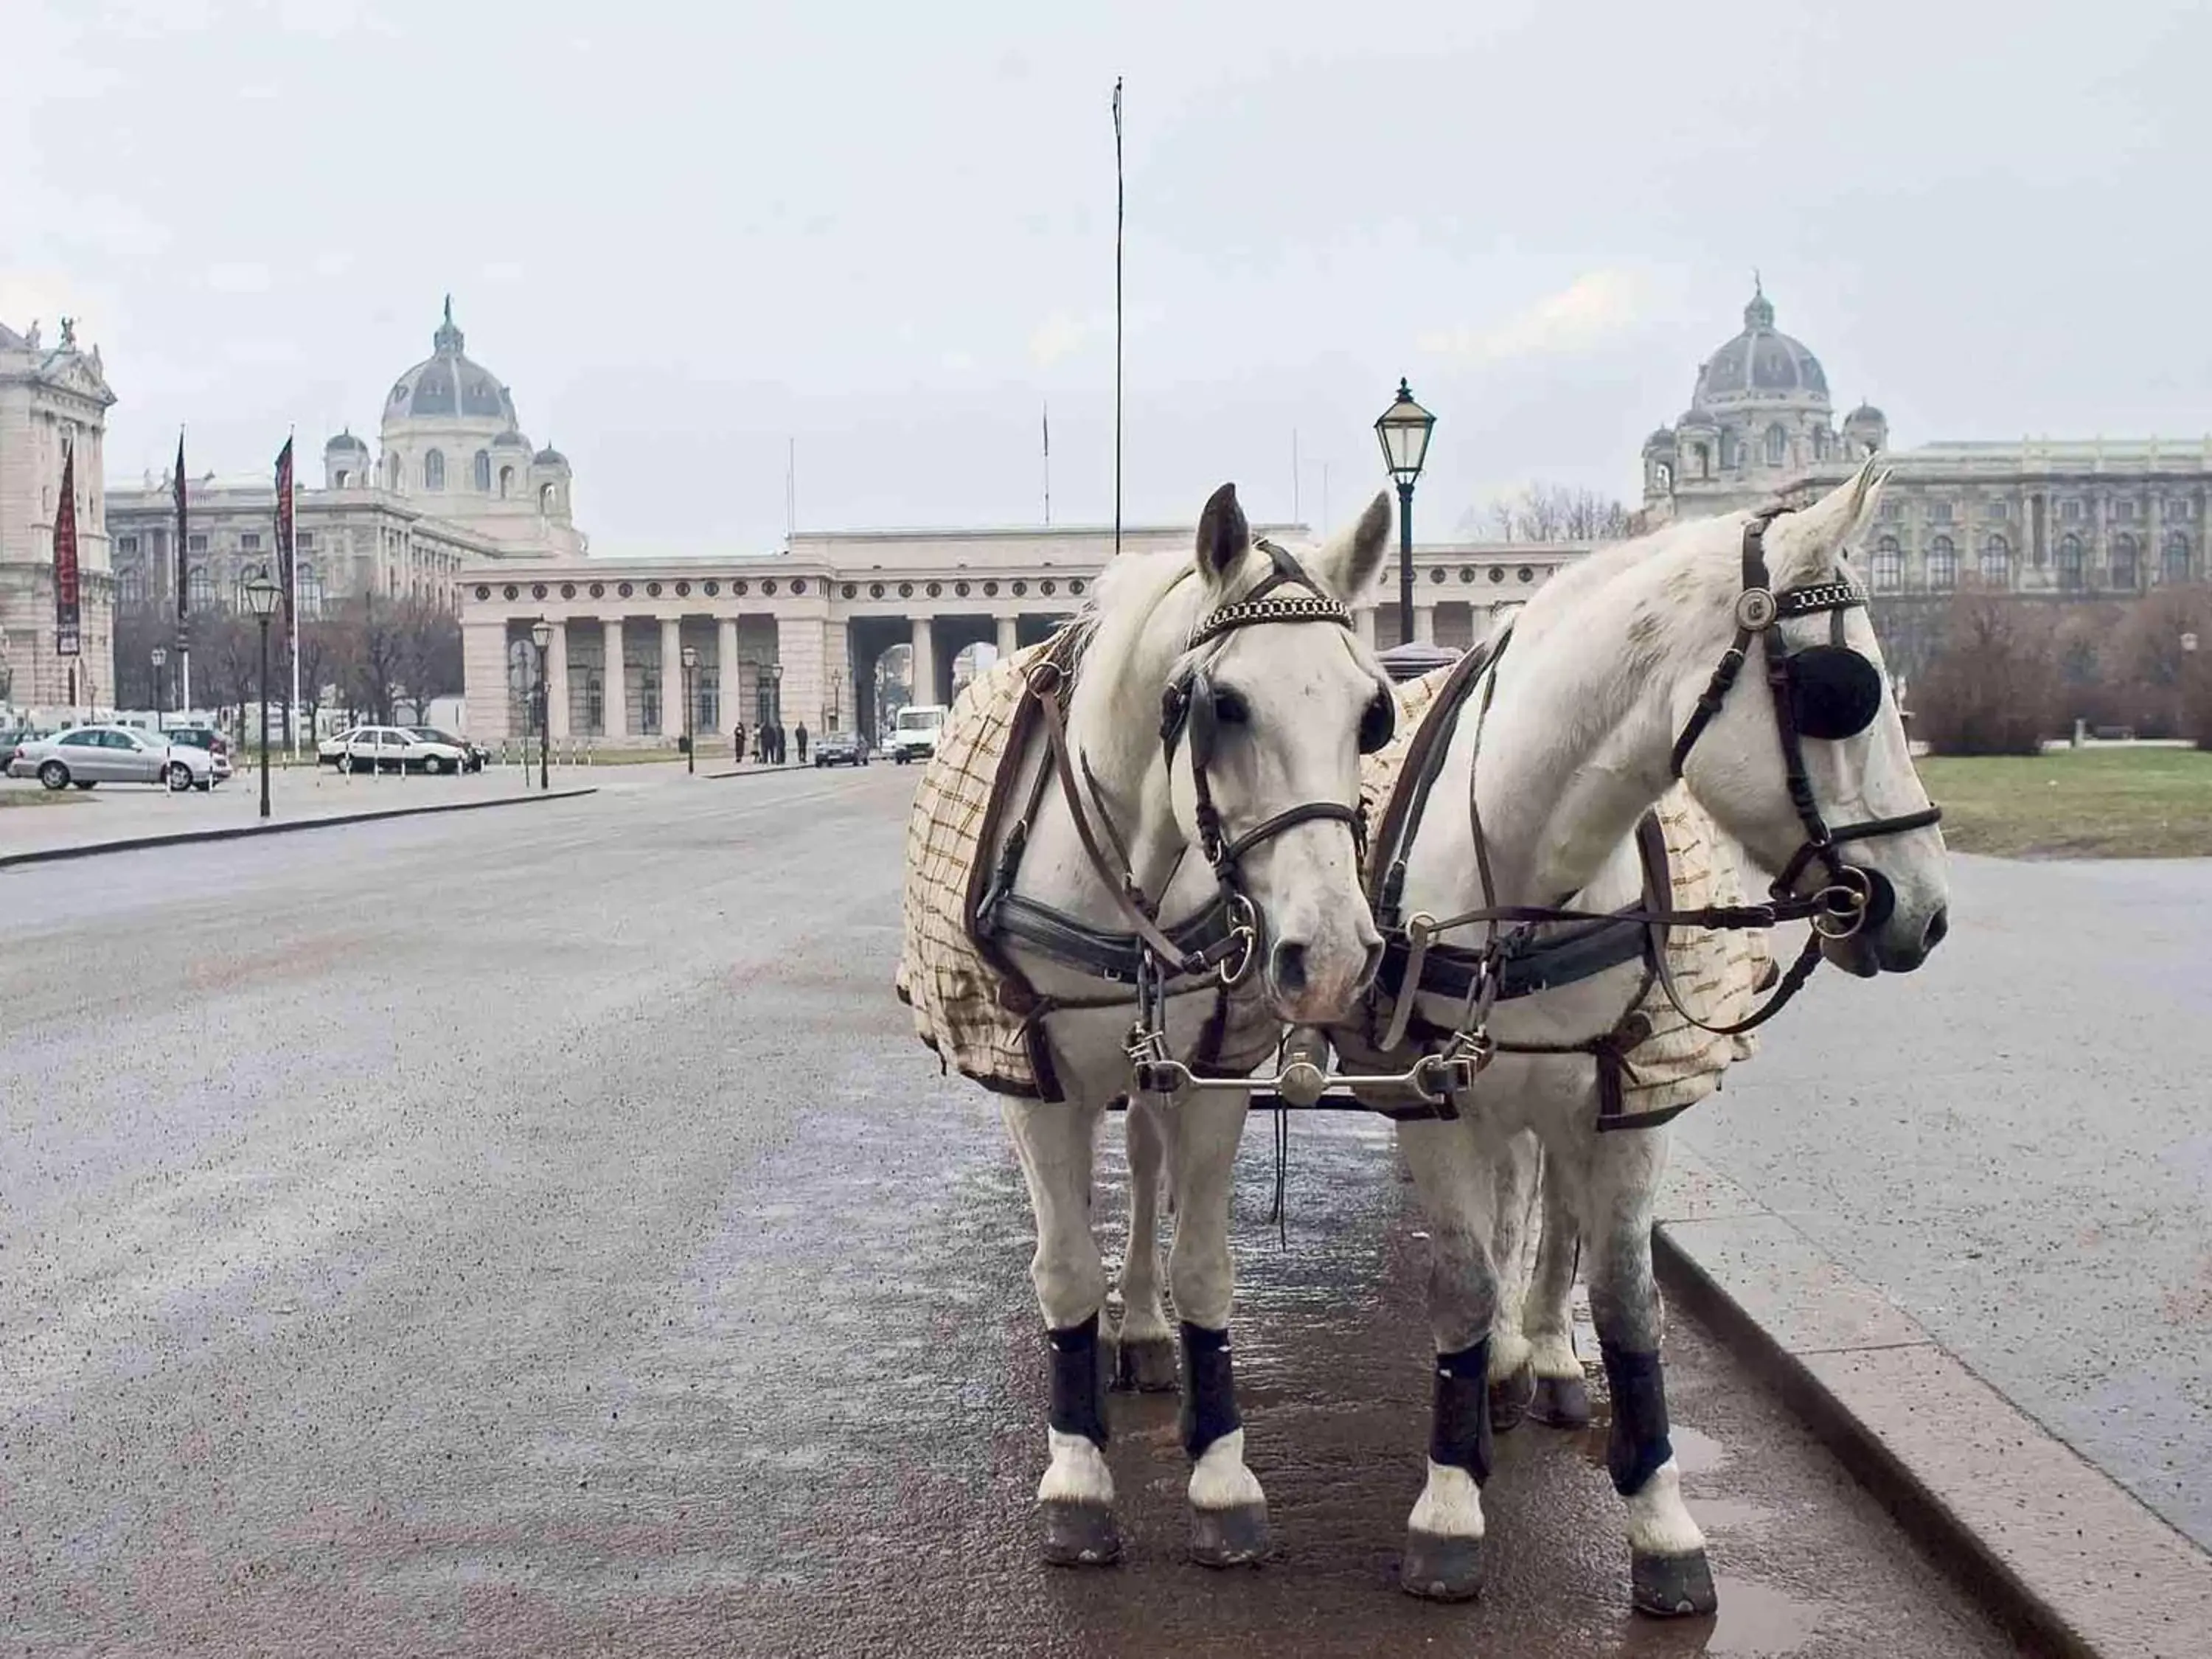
(1458, 1428)
(1638, 1444)
(1078, 1402)
(1209, 1388)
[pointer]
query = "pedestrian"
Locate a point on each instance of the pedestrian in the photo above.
(779, 741)
(738, 744)
(801, 735)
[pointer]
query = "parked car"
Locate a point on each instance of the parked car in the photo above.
(11, 741)
(840, 749)
(331, 750)
(200, 736)
(396, 749)
(90, 755)
(476, 752)
(913, 737)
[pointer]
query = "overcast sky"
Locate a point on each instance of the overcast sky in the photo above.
(684, 234)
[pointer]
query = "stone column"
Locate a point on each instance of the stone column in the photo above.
(556, 681)
(726, 669)
(1010, 635)
(1424, 624)
(672, 677)
(1363, 619)
(614, 699)
(483, 677)
(798, 647)
(925, 662)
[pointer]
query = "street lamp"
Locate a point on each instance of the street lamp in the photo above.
(160, 660)
(1403, 431)
(690, 655)
(261, 598)
(541, 636)
(776, 705)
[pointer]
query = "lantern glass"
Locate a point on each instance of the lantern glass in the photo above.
(541, 633)
(262, 594)
(1403, 431)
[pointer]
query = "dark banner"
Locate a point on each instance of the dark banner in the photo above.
(285, 526)
(183, 581)
(68, 617)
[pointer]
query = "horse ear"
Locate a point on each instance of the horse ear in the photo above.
(1805, 546)
(1223, 534)
(1348, 561)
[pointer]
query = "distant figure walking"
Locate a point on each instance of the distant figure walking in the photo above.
(738, 744)
(800, 735)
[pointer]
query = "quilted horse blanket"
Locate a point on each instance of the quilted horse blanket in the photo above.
(1717, 974)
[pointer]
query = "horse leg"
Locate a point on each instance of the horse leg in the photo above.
(1145, 1352)
(1228, 1511)
(1512, 1379)
(1562, 1397)
(1669, 1574)
(1443, 1534)
(1054, 1143)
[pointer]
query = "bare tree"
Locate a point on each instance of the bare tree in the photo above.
(429, 655)
(1556, 513)
(1996, 685)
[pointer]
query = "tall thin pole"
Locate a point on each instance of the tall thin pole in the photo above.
(545, 723)
(264, 715)
(1118, 209)
(1294, 475)
(1048, 466)
(1404, 562)
(292, 610)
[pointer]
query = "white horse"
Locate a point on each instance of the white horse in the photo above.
(1259, 766)
(1604, 692)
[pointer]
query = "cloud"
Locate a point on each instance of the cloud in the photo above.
(1057, 336)
(1585, 313)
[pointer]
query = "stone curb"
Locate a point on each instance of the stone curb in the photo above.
(2071, 1562)
(277, 827)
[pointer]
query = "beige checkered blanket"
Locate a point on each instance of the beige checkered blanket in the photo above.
(1717, 973)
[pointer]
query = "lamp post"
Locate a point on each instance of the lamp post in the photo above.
(261, 598)
(160, 660)
(775, 706)
(541, 636)
(1403, 431)
(690, 655)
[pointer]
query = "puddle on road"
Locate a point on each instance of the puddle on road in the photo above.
(1755, 1619)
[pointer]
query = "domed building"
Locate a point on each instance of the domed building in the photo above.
(2064, 517)
(453, 483)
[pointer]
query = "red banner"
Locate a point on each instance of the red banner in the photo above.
(285, 526)
(67, 617)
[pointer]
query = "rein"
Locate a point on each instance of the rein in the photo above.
(1837, 696)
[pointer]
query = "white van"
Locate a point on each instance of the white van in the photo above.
(914, 736)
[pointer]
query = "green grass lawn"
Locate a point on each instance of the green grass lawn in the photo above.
(2077, 803)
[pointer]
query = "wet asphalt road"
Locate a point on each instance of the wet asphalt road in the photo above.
(2015, 1145)
(538, 1232)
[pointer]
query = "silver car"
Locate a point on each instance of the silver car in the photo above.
(92, 755)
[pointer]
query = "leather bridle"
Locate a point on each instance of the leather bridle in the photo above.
(1224, 940)
(1837, 697)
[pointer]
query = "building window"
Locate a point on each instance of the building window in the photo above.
(127, 543)
(311, 590)
(1997, 562)
(1893, 510)
(250, 541)
(2180, 507)
(2070, 512)
(1942, 565)
(199, 587)
(1778, 445)
(195, 544)
(392, 472)
(483, 472)
(1888, 571)
(2000, 511)
(506, 482)
(2070, 562)
(304, 540)
(434, 469)
(1939, 512)
(2124, 562)
(2177, 559)
(549, 497)
(131, 585)
(2123, 512)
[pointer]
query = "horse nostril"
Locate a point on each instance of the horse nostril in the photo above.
(1938, 926)
(1286, 966)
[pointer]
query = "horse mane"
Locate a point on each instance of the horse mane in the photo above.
(1694, 581)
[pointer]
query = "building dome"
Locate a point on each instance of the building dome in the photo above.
(1866, 415)
(1761, 364)
(549, 457)
(347, 440)
(1663, 438)
(510, 439)
(449, 384)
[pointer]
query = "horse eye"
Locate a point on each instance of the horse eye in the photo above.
(1379, 723)
(1231, 710)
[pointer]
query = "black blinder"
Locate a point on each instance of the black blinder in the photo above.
(1379, 723)
(1834, 692)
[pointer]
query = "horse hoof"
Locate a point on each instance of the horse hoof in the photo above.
(1563, 1402)
(1077, 1534)
(1509, 1399)
(1672, 1586)
(1146, 1365)
(1234, 1537)
(1442, 1566)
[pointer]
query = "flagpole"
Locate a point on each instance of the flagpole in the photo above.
(183, 586)
(292, 601)
(1047, 466)
(1117, 313)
